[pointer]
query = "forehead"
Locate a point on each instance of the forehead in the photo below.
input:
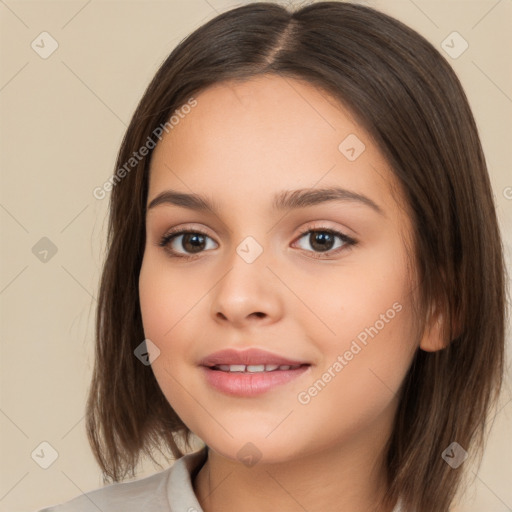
(248, 139)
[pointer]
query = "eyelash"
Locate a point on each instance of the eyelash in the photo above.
(171, 235)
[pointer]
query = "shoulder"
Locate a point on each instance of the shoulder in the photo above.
(146, 493)
(151, 494)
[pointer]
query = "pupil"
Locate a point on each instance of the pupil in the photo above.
(322, 241)
(196, 242)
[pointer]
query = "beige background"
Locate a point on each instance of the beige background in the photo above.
(62, 120)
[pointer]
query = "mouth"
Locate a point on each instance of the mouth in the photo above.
(250, 372)
(240, 380)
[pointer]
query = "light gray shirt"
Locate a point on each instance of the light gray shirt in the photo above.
(170, 490)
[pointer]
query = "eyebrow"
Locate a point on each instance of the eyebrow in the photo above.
(285, 200)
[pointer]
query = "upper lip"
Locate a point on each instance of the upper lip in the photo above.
(250, 356)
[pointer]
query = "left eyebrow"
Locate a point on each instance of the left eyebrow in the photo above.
(285, 200)
(301, 198)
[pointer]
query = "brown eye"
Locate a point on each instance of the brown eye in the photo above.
(193, 242)
(326, 241)
(185, 242)
(321, 240)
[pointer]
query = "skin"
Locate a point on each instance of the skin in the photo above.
(240, 145)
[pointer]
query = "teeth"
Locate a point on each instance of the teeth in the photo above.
(236, 368)
(255, 368)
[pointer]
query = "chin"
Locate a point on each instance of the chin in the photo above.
(255, 448)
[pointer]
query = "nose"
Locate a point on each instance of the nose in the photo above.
(248, 294)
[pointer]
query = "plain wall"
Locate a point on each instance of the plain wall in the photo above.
(62, 120)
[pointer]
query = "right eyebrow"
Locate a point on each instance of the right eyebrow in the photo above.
(190, 201)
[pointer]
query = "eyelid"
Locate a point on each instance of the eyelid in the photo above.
(178, 231)
(348, 241)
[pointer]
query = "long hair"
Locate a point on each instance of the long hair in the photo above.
(408, 98)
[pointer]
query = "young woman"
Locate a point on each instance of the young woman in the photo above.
(297, 273)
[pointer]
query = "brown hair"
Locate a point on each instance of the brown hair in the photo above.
(407, 97)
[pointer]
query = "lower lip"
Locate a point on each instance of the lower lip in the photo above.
(250, 384)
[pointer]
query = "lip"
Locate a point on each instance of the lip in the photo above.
(249, 356)
(249, 384)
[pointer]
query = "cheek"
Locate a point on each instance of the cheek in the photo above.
(175, 311)
(167, 306)
(164, 304)
(367, 310)
(167, 297)
(357, 384)
(363, 292)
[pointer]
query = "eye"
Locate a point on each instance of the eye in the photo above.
(323, 241)
(191, 241)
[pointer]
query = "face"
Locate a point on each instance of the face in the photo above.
(320, 282)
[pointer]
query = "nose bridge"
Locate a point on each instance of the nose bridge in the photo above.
(247, 290)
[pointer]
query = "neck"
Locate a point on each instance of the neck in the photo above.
(351, 478)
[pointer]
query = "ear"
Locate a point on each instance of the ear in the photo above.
(433, 338)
